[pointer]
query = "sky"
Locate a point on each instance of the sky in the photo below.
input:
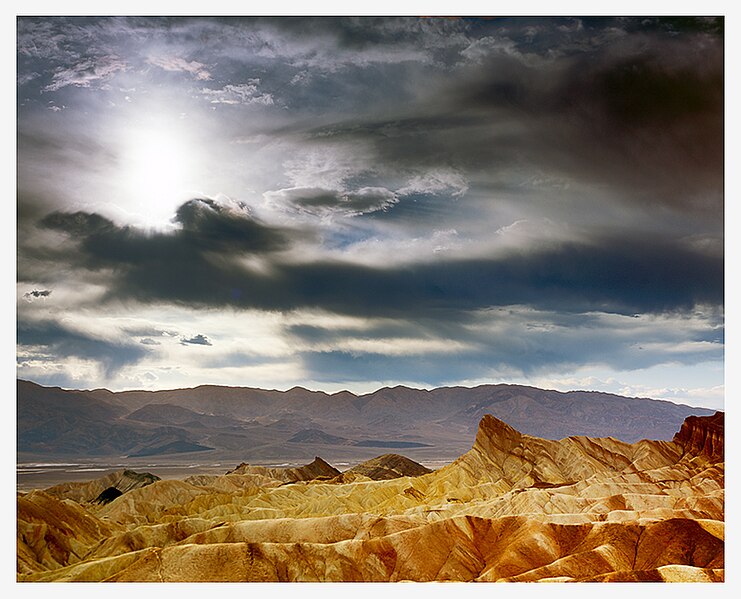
(344, 203)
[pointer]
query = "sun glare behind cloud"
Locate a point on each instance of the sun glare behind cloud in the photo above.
(157, 170)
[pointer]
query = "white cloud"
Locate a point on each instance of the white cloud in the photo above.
(712, 397)
(632, 383)
(253, 338)
(326, 167)
(241, 93)
(390, 346)
(437, 181)
(384, 249)
(486, 47)
(178, 64)
(87, 73)
(72, 372)
(301, 78)
(258, 138)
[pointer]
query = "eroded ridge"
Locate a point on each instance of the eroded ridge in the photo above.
(512, 508)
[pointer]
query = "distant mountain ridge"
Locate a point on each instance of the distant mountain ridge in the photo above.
(257, 424)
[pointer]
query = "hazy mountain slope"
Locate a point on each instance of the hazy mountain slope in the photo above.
(172, 447)
(317, 437)
(252, 424)
(178, 415)
(548, 414)
(57, 422)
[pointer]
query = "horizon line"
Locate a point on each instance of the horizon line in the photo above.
(347, 391)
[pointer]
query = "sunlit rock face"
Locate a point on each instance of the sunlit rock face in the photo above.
(703, 435)
(513, 508)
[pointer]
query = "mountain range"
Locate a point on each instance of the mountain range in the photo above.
(240, 423)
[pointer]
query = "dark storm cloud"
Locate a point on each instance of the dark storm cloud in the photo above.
(613, 275)
(411, 126)
(368, 32)
(634, 103)
(51, 337)
(639, 110)
(196, 340)
(198, 265)
(212, 227)
(518, 348)
(327, 45)
(674, 25)
(205, 226)
(512, 339)
(37, 293)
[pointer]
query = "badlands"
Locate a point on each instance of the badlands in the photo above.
(513, 508)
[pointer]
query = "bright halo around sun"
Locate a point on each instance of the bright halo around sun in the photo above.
(157, 170)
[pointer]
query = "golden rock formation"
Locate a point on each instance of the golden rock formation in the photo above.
(53, 532)
(703, 435)
(315, 470)
(123, 480)
(513, 508)
(386, 467)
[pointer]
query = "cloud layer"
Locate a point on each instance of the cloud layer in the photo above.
(369, 200)
(203, 262)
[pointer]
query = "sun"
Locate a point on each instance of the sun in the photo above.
(157, 171)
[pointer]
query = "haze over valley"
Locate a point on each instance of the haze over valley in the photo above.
(223, 425)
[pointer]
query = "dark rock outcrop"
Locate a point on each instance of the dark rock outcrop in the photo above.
(108, 495)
